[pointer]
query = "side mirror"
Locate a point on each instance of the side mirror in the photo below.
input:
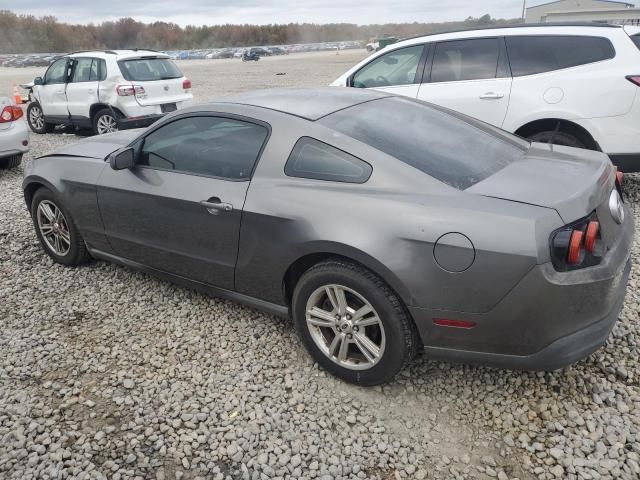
(122, 159)
(38, 81)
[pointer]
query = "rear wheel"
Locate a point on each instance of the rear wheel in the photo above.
(105, 121)
(11, 162)
(559, 138)
(352, 323)
(56, 231)
(35, 119)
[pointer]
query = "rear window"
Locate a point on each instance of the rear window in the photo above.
(636, 40)
(537, 54)
(149, 69)
(454, 149)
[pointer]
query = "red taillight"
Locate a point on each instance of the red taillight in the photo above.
(186, 84)
(619, 177)
(575, 247)
(591, 236)
(446, 322)
(10, 114)
(635, 79)
(129, 90)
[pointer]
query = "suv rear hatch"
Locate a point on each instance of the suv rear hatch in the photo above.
(572, 181)
(161, 79)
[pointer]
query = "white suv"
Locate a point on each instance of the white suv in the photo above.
(107, 90)
(575, 85)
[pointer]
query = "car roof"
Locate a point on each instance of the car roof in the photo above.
(309, 103)
(120, 54)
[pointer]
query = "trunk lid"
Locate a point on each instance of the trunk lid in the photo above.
(572, 181)
(160, 92)
(161, 79)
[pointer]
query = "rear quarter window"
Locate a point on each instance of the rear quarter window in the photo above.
(148, 69)
(529, 55)
(636, 39)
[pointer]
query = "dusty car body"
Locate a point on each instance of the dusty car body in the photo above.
(464, 243)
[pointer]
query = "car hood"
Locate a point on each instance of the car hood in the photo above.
(99, 146)
(570, 180)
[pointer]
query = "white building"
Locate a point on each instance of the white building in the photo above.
(584, 11)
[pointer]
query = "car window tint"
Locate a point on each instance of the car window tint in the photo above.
(466, 60)
(394, 68)
(317, 160)
(149, 69)
(636, 39)
(452, 148)
(213, 146)
(82, 70)
(537, 54)
(57, 72)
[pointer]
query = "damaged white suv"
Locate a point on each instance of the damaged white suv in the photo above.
(107, 91)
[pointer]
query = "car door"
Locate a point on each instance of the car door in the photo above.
(83, 88)
(51, 94)
(178, 210)
(470, 76)
(398, 71)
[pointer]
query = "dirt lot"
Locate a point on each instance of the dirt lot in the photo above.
(109, 373)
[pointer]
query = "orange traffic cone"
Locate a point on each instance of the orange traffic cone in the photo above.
(16, 95)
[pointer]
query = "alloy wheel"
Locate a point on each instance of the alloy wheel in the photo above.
(54, 228)
(106, 124)
(36, 117)
(345, 327)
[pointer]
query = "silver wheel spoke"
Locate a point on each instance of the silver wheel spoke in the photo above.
(369, 349)
(321, 318)
(64, 236)
(337, 341)
(367, 322)
(332, 298)
(344, 349)
(48, 212)
(53, 228)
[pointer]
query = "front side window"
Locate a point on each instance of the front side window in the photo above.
(149, 69)
(212, 146)
(460, 60)
(450, 147)
(57, 72)
(398, 67)
(529, 55)
(317, 160)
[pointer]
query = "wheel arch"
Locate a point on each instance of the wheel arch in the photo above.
(96, 107)
(563, 125)
(31, 186)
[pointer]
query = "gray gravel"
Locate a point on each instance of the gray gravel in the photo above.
(109, 373)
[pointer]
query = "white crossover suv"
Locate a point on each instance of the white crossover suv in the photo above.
(107, 91)
(572, 84)
(14, 134)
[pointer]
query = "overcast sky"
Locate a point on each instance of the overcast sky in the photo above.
(209, 12)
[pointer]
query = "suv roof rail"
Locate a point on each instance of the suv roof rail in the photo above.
(518, 25)
(144, 50)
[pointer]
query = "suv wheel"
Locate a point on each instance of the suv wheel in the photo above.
(56, 231)
(35, 119)
(11, 162)
(352, 323)
(559, 138)
(105, 121)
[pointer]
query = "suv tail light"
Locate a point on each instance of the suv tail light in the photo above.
(186, 84)
(619, 182)
(10, 114)
(577, 245)
(129, 90)
(635, 79)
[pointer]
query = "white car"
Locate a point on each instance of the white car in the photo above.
(107, 90)
(574, 85)
(14, 134)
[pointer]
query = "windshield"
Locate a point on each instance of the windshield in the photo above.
(452, 148)
(149, 69)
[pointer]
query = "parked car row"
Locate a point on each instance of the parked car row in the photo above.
(34, 60)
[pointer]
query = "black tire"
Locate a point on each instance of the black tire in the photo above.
(34, 111)
(11, 162)
(401, 339)
(106, 114)
(559, 138)
(77, 250)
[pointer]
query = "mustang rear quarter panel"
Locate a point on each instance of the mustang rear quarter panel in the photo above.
(389, 224)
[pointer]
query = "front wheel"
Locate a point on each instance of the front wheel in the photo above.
(35, 119)
(352, 323)
(105, 121)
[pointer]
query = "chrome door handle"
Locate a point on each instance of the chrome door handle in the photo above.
(215, 207)
(491, 96)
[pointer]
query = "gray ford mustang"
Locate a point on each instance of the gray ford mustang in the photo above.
(381, 224)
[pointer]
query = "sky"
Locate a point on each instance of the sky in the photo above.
(210, 12)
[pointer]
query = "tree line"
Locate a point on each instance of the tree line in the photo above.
(30, 34)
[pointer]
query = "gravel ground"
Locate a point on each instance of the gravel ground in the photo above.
(109, 373)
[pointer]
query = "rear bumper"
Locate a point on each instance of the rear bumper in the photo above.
(558, 354)
(138, 122)
(12, 138)
(626, 162)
